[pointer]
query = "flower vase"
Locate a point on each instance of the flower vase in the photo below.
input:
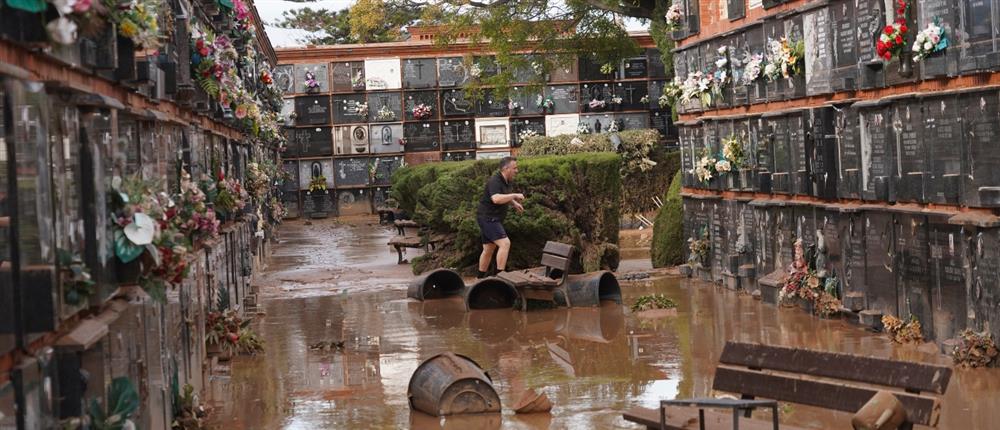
(906, 64)
(312, 90)
(128, 273)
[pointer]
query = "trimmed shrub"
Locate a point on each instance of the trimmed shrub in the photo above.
(668, 228)
(573, 199)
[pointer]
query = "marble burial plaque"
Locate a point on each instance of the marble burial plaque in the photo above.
(492, 132)
(520, 125)
(880, 282)
(795, 31)
(720, 236)
(751, 126)
(385, 107)
(846, 128)
(386, 138)
(458, 134)
(869, 20)
(382, 74)
(419, 73)
(455, 104)
(850, 228)
(597, 122)
(657, 70)
(492, 155)
(984, 300)
(780, 176)
(911, 155)
(459, 156)
(756, 45)
(943, 132)
(980, 50)
(948, 279)
(309, 169)
(350, 140)
(529, 69)
(291, 169)
(632, 121)
(764, 228)
(843, 36)
(631, 94)
(488, 66)
(348, 76)
(687, 154)
(635, 68)
(427, 98)
(805, 224)
(737, 47)
(590, 70)
(800, 149)
(556, 125)
(566, 98)
(379, 196)
(287, 111)
(681, 64)
(877, 166)
(526, 101)
(351, 172)
(596, 96)
(320, 75)
(774, 30)
(312, 110)
(823, 157)
(784, 246)
(452, 72)
(735, 9)
(384, 168)
(353, 202)
(827, 225)
(284, 78)
(816, 26)
(290, 200)
(945, 14)
(291, 148)
(347, 109)
(565, 72)
(654, 91)
(318, 204)
(422, 136)
(492, 106)
(415, 158)
(981, 130)
(313, 141)
(913, 275)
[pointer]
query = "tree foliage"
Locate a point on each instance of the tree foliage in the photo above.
(325, 27)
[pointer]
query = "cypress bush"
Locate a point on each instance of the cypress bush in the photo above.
(668, 228)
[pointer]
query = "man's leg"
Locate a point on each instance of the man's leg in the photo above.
(486, 256)
(504, 248)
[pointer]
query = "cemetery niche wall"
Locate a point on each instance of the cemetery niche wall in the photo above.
(881, 163)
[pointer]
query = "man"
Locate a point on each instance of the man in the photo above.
(491, 212)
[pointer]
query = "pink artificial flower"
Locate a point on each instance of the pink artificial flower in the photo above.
(81, 6)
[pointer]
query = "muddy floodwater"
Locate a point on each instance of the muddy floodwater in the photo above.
(339, 282)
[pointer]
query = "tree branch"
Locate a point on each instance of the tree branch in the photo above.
(644, 10)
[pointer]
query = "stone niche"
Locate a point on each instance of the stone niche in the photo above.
(846, 126)
(309, 169)
(980, 51)
(350, 172)
(518, 125)
(943, 130)
(320, 75)
(631, 94)
(756, 43)
(596, 92)
(458, 134)
(455, 104)
(844, 53)
(763, 153)
(346, 109)
(491, 105)
(419, 73)
(801, 151)
(350, 140)
(819, 43)
(912, 158)
(947, 279)
(946, 14)
(869, 20)
(688, 154)
(877, 154)
(452, 72)
(913, 271)
(823, 153)
(776, 126)
(422, 136)
(880, 281)
(391, 101)
(525, 101)
(981, 129)
(774, 30)
(348, 76)
(312, 110)
(656, 66)
(312, 141)
(429, 98)
(565, 98)
(386, 138)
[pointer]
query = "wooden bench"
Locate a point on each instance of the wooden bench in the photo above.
(540, 283)
(836, 381)
(402, 224)
(401, 242)
(385, 214)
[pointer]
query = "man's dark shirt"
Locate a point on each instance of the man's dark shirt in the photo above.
(496, 185)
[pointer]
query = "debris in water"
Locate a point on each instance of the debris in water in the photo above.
(533, 402)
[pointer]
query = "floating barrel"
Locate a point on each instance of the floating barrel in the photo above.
(491, 293)
(590, 289)
(599, 325)
(436, 284)
(450, 384)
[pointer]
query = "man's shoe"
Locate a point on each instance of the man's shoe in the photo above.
(481, 275)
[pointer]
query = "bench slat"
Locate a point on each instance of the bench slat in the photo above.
(558, 248)
(555, 262)
(841, 397)
(687, 418)
(406, 241)
(901, 374)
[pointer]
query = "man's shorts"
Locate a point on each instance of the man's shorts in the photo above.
(490, 229)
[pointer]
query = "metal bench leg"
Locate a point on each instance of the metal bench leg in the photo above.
(774, 416)
(399, 251)
(736, 419)
(701, 419)
(749, 411)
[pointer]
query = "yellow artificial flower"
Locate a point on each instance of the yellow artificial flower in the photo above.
(128, 28)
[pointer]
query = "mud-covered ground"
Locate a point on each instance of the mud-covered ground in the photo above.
(336, 280)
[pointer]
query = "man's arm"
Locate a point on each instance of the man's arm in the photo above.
(502, 199)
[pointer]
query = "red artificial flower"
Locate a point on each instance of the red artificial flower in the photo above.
(899, 40)
(888, 30)
(902, 28)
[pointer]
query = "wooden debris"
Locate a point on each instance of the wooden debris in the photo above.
(882, 412)
(532, 402)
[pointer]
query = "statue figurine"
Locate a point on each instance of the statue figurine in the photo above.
(820, 254)
(742, 243)
(799, 261)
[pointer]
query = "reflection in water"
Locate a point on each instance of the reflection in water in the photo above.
(591, 363)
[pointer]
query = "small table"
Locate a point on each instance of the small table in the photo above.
(735, 404)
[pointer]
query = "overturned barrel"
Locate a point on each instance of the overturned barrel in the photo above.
(589, 289)
(436, 284)
(451, 384)
(491, 293)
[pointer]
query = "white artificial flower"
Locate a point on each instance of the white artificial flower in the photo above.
(928, 46)
(62, 30)
(64, 7)
(722, 50)
(723, 166)
(141, 230)
(720, 63)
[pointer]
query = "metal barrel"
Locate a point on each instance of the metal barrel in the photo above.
(450, 384)
(436, 284)
(599, 325)
(491, 293)
(590, 289)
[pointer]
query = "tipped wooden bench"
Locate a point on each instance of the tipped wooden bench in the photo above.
(841, 382)
(402, 224)
(400, 242)
(541, 283)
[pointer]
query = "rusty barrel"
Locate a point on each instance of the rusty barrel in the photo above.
(491, 293)
(450, 384)
(590, 289)
(436, 284)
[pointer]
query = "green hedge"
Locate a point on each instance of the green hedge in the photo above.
(640, 179)
(668, 229)
(572, 198)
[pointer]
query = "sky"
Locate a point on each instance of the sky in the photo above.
(271, 10)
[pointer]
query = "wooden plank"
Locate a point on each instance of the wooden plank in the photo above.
(406, 223)
(537, 294)
(558, 248)
(555, 262)
(907, 375)
(406, 241)
(515, 278)
(841, 397)
(687, 418)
